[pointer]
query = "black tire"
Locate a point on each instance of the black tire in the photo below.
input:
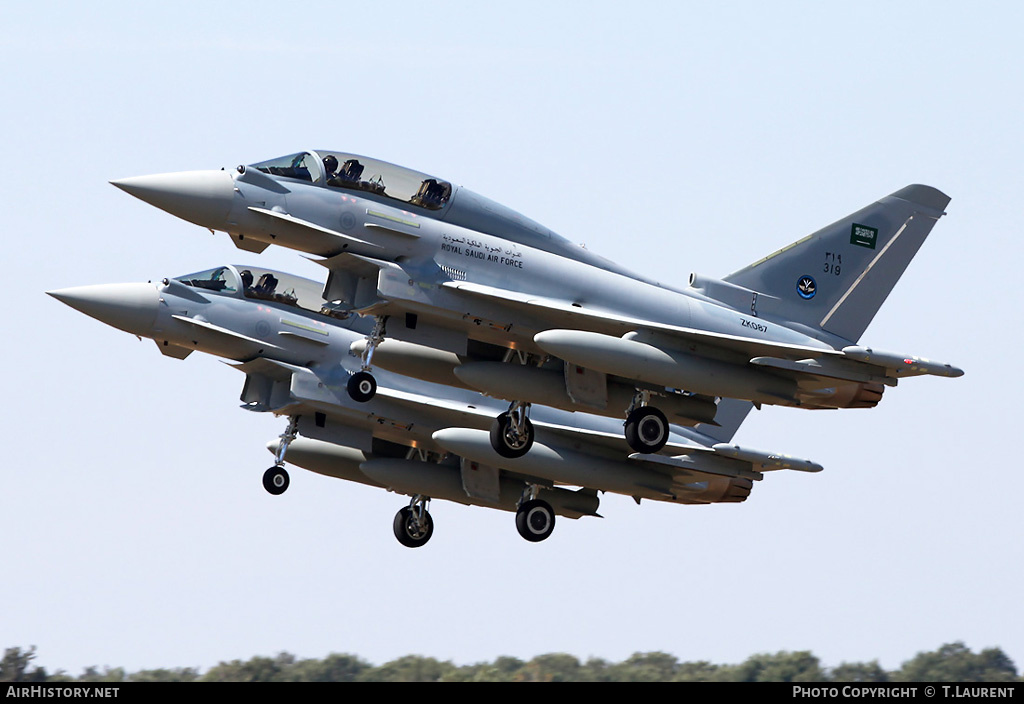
(362, 386)
(276, 480)
(406, 531)
(506, 445)
(646, 429)
(535, 520)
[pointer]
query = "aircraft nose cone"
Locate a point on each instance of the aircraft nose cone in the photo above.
(128, 307)
(201, 197)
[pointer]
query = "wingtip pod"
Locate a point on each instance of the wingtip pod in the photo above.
(902, 365)
(764, 461)
(927, 196)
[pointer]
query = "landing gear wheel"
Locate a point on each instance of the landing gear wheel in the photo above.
(646, 429)
(506, 441)
(413, 533)
(362, 386)
(535, 520)
(275, 480)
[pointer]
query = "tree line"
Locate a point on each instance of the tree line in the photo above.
(953, 662)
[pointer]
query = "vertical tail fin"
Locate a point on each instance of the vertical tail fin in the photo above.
(837, 278)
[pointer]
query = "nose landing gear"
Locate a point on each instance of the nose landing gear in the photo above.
(361, 385)
(276, 479)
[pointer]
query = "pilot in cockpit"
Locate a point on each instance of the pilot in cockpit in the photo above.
(432, 194)
(266, 285)
(331, 167)
(349, 175)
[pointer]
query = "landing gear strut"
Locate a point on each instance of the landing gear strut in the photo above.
(361, 385)
(512, 431)
(413, 524)
(276, 479)
(646, 427)
(535, 519)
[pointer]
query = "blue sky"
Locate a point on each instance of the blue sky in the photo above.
(671, 137)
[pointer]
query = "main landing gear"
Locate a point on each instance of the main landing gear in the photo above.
(535, 519)
(646, 426)
(361, 385)
(512, 431)
(275, 479)
(413, 524)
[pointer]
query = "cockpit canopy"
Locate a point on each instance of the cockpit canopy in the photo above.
(360, 173)
(408, 189)
(267, 285)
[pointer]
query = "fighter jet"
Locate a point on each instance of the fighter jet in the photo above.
(413, 437)
(532, 316)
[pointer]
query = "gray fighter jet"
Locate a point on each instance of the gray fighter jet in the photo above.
(413, 437)
(533, 317)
